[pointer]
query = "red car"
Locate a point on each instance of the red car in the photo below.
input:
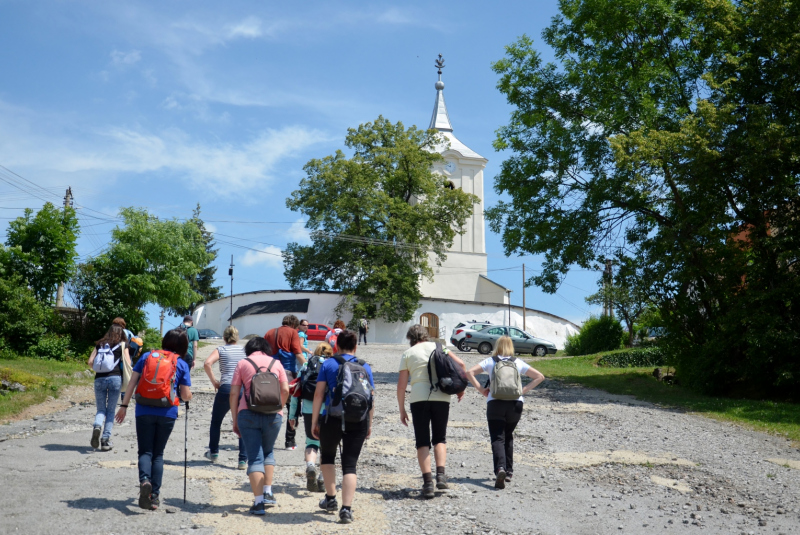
(317, 331)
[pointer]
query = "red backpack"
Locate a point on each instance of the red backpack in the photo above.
(332, 341)
(156, 386)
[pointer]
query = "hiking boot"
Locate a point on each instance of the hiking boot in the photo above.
(269, 500)
(211, 456)
(328, 505)
(320, 484)
(500, 480)
(242, 465)
(509, 475)
(441, 482)
(427, 490)
(311, 478)
(258, 509)
(345, 516)
(96, 437)
(154, 502)
(106, 445)
(145, 491)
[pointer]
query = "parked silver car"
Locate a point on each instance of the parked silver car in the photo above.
(460, 331)
(486, 339)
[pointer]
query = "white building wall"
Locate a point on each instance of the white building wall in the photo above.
(214, 315)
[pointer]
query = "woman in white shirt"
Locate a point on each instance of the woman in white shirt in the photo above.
(503, 415)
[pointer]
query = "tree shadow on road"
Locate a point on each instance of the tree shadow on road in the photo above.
(90, 504)
(482, 483)
(68, 447)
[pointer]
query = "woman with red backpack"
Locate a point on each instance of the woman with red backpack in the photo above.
(160, 379)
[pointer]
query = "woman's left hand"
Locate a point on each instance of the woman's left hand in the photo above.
(121, 413)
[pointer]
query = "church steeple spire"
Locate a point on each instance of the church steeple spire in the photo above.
(440, 120)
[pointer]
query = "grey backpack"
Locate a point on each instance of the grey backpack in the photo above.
(352, 396)
(506, 382)
(264, 395)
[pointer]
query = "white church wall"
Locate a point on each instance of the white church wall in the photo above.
(457, 278)
(214, 315)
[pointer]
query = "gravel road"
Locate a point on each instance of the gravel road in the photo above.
(587, 462)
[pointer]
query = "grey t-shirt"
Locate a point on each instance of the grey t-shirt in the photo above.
(229, 357)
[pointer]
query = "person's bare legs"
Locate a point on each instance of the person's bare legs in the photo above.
(349, 482)
(257, 481)
(270, 472)
(311, 455)
(424, 459)
(440, 452)
(329, 475)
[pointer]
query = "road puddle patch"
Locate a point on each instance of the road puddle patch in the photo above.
(786, 463)
(674, 484)
(593, 458)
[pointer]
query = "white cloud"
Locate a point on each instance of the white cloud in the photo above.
(125, 58)
(249, 27)
(299, 233)
(222, 167)
(268, 256)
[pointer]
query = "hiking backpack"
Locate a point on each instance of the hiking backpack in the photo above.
(156, 387)
(308, 379)
(505, 380)
(104, 360)
(264, 395)
(450, 377)
(352, 396)
(332, 341)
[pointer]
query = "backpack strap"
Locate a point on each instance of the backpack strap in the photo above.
(339, 358)
(271, 364)
(430, 371)
(253, 364)
(495, 358)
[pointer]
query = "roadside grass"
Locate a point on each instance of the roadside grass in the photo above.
(42, 378)
(773, 417)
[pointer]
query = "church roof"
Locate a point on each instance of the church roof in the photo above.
(440, 120)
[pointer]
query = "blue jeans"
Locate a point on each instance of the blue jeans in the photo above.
(106, 394)
(259, 432)
(221, 407)
(152, 434)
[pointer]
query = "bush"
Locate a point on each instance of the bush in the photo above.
(598, 334)
(24, 378)
(151, 340)
(51, 346)
(638, 357)
(23, 320)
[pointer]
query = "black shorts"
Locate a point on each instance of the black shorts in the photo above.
(352, 439)
(430, 422)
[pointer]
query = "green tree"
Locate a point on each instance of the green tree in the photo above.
(23, 319)
(667, 133)
(42, 248)
(149, 261)
(202, 283)
(625, 293)
(378, 220)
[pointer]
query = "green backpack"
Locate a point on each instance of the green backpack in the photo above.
(505, 380)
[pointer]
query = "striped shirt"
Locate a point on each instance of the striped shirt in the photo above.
(229, 357)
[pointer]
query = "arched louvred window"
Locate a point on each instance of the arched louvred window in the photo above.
(430, 321)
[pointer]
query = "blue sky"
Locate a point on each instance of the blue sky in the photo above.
(167, 104)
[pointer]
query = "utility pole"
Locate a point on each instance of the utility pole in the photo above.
(509, 307)
(608, 307)
(68, 202)
(230, 272)
(524, 313)
(161, 327)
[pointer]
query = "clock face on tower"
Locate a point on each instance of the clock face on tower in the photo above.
(450, 167)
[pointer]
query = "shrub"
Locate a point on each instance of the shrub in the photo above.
(24, 378)
(634, 358)
(151, 340)
(23, 320)
(51, 346)
(602, 333)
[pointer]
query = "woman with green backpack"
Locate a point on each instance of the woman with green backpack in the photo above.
(504, 395)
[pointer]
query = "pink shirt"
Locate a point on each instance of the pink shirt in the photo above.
(244, 373)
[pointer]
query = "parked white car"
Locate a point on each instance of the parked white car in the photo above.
(460, 332)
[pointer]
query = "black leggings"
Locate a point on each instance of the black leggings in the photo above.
(430, 418)
(503, 417)
(352, 439)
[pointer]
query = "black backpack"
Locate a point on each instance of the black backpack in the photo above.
(352, 397)
(308, 379)
(451, 378)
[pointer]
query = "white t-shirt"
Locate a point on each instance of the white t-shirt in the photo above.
(330, 333)
(488, 366)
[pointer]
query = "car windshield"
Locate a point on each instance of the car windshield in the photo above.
(460, 325)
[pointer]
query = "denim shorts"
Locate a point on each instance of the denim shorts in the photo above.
(259, 432)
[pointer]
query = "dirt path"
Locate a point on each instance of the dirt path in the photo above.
(587, 462)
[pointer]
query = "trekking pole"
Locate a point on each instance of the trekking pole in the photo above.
(185, 449)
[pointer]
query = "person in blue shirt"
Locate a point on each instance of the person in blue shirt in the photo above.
(154, 424)
(330, 432)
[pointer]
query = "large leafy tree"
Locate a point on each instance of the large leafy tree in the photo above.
(149, 261)
(202, 283)
(42, 248)
(379, 218)
(667, 133)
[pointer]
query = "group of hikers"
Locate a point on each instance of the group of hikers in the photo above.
(331, 388)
